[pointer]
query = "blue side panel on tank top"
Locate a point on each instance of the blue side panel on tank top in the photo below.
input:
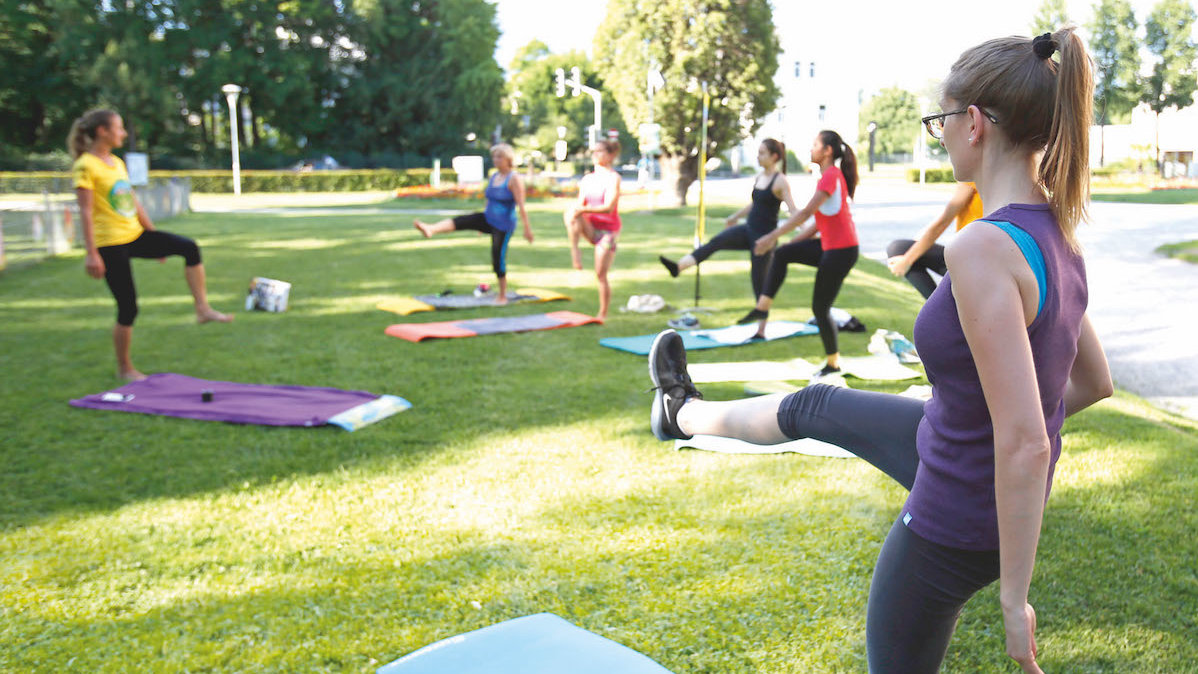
(1031, 253)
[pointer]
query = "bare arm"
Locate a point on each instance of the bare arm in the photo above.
(93, 263)
(142, 217)
(735, 217)
(1090, 378)
(901, 264)
(782, 191)
(767, 241)
(996, 296)
(517, 188)
(611, 198)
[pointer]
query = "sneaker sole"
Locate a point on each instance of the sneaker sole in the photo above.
(655, 420)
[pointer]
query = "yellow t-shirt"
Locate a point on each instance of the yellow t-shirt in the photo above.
(973, 211)
(114, 211)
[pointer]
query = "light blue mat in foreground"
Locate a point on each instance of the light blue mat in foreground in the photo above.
(733, 335)
(535, 644)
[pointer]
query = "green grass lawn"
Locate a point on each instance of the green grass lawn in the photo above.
(1146, 196)
(1186, 250)
(524, 479)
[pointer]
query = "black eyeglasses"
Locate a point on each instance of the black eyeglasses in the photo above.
(935, 123)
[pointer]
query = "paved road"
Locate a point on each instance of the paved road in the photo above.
(1144, 305)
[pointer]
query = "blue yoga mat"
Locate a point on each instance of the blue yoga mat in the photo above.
(734, 335)
(535, 644)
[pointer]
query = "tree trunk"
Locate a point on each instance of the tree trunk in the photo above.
(1102, 145)
(679, 171)
(255, 129)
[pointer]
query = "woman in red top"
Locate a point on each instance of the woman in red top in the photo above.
(829, 243)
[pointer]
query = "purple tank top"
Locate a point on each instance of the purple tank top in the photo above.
(952, 500)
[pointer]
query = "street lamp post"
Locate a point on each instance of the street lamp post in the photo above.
(575, 83)
(231, 92)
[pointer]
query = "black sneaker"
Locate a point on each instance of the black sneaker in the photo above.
(825, 371)
(670, 265)
(753, 316)
(672, 385)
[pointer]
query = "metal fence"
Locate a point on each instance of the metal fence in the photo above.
(42, 227)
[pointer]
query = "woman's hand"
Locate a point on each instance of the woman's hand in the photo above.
(898, 265)
(528, 234)
(94, 265)
(730, 221)
(765, 243)
(1020, 624)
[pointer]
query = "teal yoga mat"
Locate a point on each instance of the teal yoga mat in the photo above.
(535, 644)
(734, 335)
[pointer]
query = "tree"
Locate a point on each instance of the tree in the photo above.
(729, 44)
(539, 111)
(1173, 78)
(426, 79)
(1117, 56)
(1049, 17)
(896, 112)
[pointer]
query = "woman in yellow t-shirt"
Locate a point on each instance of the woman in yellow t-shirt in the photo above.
(914, 259)
(117, 229)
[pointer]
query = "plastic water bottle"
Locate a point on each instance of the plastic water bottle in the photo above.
(902, 347)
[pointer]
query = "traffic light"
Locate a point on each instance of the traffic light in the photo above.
(576, 80)
(561, 82)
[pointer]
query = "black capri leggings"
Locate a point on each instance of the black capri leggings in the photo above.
(739, 237)
(118, 273)
(918, 587)
(831, 268)
(499, 239)
(918, 275)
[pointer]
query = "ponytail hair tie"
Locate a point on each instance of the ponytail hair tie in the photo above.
(1044, 45)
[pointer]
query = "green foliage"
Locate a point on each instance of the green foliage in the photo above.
(896, 112)
(1174, 77)
(730, 44)
(932, 175)
(375, 76)
(1050, 17)
(1115, 49)
(531, 73)
(251, 181)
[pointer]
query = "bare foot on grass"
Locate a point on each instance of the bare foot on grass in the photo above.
(130, 375)
(422, 227)
(211, 315)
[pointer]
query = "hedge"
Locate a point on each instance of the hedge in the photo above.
(251, 181)
(932, 175)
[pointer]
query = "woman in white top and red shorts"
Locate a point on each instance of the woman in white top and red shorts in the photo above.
(596, 217)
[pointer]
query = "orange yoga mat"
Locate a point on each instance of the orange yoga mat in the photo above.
(415, 332)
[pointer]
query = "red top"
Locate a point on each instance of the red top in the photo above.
(833, 219)
(593, 187)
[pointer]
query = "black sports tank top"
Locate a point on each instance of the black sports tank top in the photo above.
(763, 216)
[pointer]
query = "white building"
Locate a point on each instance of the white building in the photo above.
(1136, 141)
(817, 92)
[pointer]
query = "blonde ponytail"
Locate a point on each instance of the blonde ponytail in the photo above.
(1065, 167)
(83, 131)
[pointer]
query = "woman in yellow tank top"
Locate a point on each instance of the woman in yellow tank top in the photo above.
(117, 229)
(915, 258)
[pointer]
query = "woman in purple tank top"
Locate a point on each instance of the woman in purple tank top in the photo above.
(1007, 347)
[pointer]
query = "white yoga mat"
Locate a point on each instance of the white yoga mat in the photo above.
(879, 368)
(714, 443)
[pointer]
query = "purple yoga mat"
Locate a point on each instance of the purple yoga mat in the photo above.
(176, 395)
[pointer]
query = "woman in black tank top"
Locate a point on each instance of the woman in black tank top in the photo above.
(770, 189)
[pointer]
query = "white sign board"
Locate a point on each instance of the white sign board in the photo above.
(469, 168)
(138, 164)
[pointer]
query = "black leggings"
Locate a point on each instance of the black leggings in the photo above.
(918, 275)
(918, 587)
(118, 273)
(499, 239)
(832, 266)
(739, 237)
